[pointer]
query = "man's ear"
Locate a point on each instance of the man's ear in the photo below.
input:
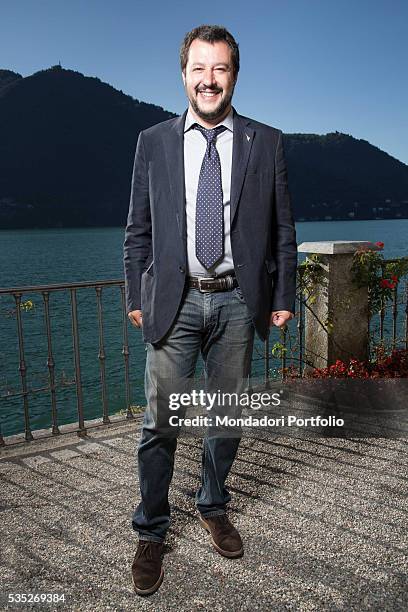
(183, 76)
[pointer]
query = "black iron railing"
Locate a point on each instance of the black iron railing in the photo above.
(73, 288)
(390, 325)
(283, 347)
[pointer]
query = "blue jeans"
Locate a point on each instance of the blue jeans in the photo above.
(219, 326)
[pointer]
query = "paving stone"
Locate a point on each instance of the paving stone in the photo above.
(113, 442)
(64, 455)
(90, 447)
(35, 461)
(6, 467)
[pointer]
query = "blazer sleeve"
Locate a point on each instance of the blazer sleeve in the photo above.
(138, 233)
(284, 237)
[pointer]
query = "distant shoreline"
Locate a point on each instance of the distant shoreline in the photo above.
(90, 227)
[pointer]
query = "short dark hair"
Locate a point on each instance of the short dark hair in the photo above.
(211, 34)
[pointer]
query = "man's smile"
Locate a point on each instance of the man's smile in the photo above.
(208, 95)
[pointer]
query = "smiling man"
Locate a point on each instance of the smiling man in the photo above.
(209, 78)
(210, 258)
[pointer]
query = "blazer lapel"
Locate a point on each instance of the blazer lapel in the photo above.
(174, 154)
(241, 148)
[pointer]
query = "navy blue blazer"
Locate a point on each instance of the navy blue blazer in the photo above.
(263, 239)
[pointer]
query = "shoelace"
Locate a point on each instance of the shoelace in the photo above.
(221, 520)
(145, 550)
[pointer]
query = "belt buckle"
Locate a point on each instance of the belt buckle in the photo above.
(204, 279)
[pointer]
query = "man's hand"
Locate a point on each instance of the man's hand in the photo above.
(280, 317)
(135, 317)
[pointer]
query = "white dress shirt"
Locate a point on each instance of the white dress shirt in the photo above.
(195, 146)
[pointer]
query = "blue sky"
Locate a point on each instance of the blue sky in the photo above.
(306, 66)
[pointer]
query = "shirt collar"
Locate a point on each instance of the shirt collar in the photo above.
(228, 121)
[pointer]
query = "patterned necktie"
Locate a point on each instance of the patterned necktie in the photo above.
(209, 224)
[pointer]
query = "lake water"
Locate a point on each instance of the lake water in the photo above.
(34, 257)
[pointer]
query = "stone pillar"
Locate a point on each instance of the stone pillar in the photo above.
(338, 301)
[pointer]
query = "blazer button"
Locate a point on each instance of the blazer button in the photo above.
(182, 269)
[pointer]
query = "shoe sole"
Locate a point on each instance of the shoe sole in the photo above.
(152, 589)
(225, 553)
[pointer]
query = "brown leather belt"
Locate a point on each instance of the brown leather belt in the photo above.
(208, 285)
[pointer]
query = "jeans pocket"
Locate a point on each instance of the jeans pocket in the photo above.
(238, 293)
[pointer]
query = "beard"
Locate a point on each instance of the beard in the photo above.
(218, 110)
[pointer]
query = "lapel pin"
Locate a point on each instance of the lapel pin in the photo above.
(248, 137)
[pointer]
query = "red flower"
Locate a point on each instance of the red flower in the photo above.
(387, 284)
(394, 278)
(385, 366)
(380, 245)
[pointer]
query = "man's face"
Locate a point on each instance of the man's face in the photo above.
(209, 78)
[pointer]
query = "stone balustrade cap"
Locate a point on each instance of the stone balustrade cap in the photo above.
(336, 247)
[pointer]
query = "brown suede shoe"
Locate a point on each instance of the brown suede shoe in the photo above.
(224, 537)
(147, 568)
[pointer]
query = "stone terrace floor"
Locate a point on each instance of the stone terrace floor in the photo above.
(324, 523)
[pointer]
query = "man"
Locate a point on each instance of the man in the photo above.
(210, 257)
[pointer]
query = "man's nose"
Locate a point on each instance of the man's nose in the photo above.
(209, 78)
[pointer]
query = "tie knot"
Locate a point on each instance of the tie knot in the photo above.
(210, 134)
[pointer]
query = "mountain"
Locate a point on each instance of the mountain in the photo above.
(340, 176)
(67, 146)
(66, 149)
(8, 76)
